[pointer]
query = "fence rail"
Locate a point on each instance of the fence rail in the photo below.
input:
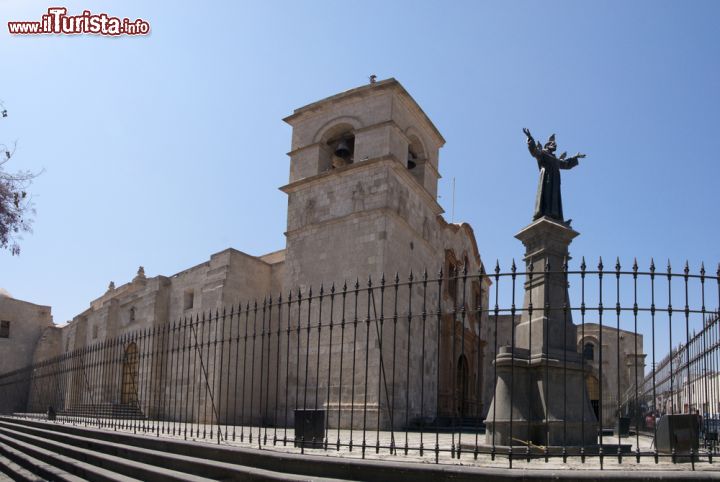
(404, 366)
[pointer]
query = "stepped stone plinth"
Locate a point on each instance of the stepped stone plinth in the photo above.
(540, 395)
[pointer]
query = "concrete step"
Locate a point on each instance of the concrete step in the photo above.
(250, 464)
(104, 410)
(39, 464)
(10, 471)
(212, 469)
(141, 459)
(87, 464)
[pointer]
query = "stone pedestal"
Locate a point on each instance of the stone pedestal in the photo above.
(540, 396)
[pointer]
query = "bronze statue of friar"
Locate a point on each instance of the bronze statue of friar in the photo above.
(548, 201)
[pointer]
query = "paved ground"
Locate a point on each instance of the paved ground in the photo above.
(272, 439)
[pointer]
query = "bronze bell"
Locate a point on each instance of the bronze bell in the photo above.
(342, 150)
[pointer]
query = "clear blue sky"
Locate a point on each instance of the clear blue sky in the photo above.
(162, 150)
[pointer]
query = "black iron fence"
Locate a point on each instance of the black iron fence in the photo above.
(407, 367)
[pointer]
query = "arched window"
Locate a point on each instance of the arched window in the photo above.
(412, 158)
(589, 351)
(342, 147)
(416, 159)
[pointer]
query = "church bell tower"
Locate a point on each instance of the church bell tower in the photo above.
(361, 203)
(363, 186)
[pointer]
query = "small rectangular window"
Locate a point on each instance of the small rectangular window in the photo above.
(4, 329)
(189, 299)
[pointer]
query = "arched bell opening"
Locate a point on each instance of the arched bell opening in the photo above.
(340, 143)
(343, 149)
(416, 157)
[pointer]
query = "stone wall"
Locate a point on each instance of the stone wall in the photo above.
(618, 366)
(27, 323)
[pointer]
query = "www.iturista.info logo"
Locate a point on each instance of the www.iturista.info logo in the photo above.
(57, 21)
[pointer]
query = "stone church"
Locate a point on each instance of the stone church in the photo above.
(362, 201)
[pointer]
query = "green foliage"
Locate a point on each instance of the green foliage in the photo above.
(16, 207)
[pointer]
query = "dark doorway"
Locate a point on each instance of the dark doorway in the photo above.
(462, 386)
(593, 388)
(129, 388)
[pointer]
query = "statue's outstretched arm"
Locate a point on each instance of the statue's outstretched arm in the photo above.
(532, 146)
(571, 161)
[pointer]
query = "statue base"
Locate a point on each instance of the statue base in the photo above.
(531, 386)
